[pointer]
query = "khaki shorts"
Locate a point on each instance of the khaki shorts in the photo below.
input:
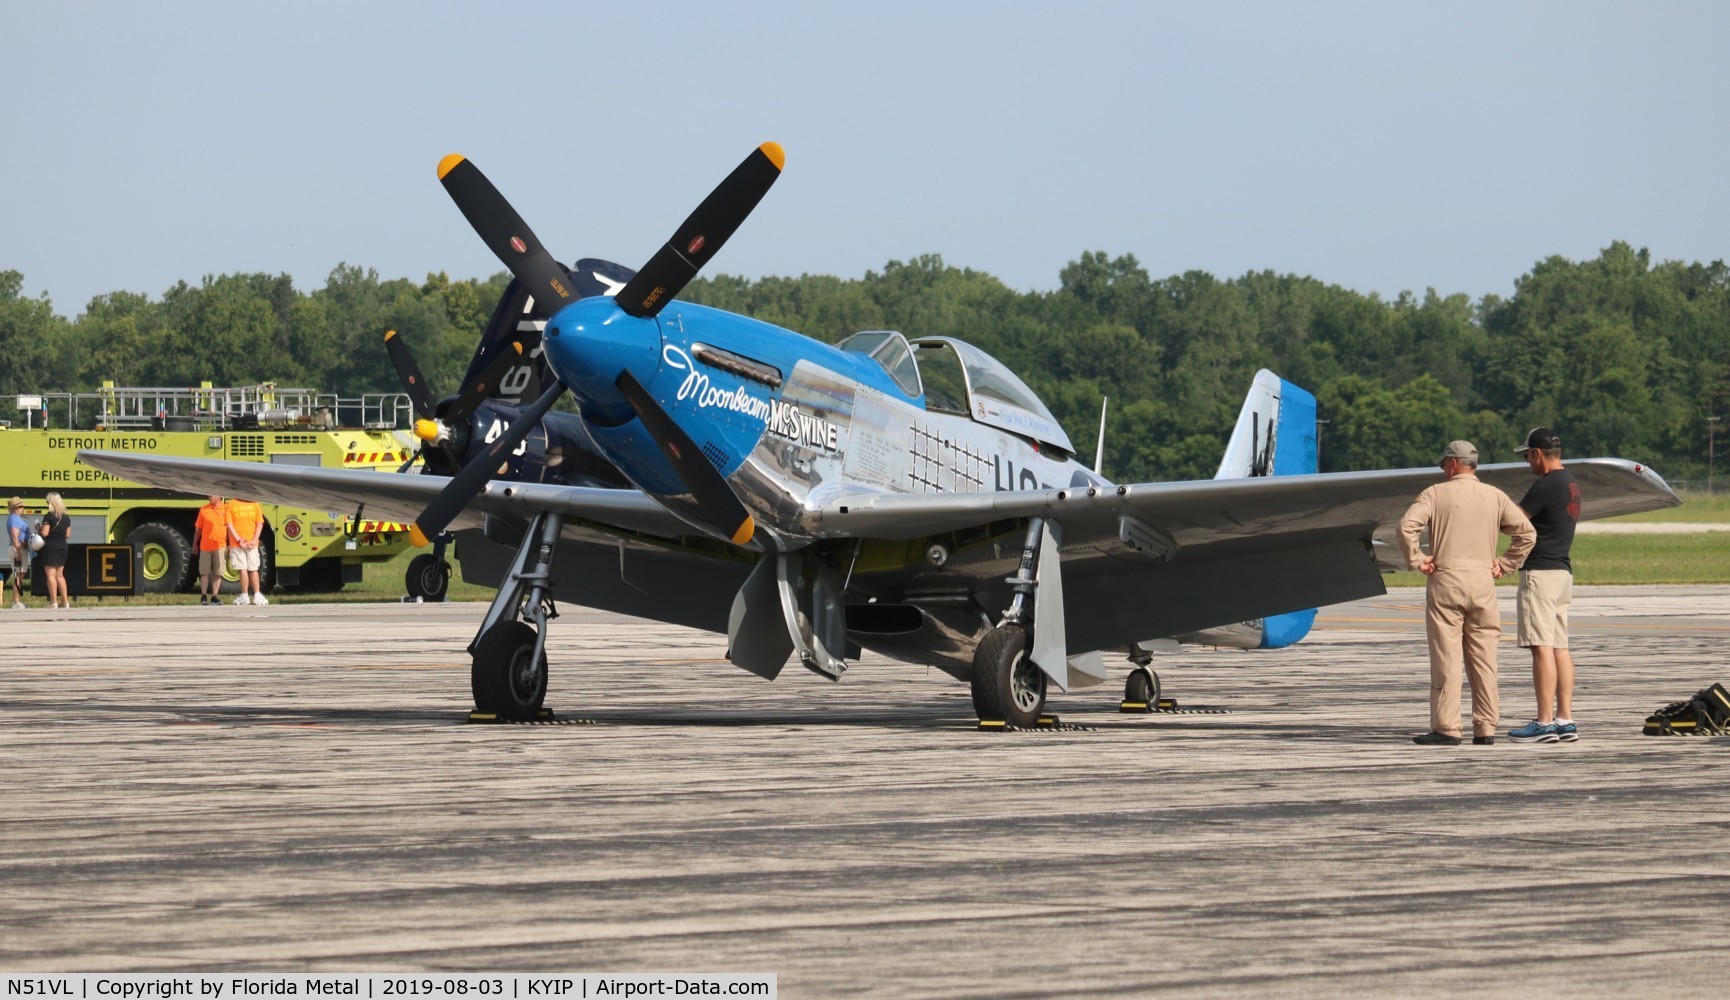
(1542, 607)
(210, 562)
(243, 559)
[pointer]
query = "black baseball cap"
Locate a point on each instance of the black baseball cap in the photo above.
(1540, 439)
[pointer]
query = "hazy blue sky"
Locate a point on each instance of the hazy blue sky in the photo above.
(1380, 146)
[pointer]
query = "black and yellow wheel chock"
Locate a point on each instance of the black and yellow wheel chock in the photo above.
(543, 717)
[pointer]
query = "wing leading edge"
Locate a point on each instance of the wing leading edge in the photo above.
(387, 495)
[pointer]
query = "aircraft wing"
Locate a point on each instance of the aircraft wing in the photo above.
(388, 496)
(1218, 510)
(1160, 559)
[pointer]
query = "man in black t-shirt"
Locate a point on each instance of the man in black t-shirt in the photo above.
(1547, 589)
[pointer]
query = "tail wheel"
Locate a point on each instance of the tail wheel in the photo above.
(1007, 685)
(428, 577)
(164, 557)
(507, 677)
(1142, 686)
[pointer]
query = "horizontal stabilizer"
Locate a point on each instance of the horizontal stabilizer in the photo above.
(1271, 632)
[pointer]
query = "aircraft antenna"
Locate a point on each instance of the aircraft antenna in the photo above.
(1099, 452)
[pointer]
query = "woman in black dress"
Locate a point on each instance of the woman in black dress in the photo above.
(57, 534)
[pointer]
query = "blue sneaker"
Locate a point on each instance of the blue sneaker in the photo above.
(1567, 732)
(1535, 732)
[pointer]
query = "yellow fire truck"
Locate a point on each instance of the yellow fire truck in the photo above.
(306, 549)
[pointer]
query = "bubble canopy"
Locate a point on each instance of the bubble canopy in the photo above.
(986, 389)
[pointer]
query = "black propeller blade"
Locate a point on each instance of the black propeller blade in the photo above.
(505, 233)
(693, 243)
(476, 391)
(412, 381)
(474, 476)
(720, 504)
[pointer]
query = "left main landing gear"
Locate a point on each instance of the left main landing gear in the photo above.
(509, 672)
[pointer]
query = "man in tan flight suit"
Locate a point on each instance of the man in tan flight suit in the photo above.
(1464, 516)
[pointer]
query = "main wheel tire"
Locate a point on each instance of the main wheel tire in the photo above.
(1142, 686)
(428, 577)
(165, 560)
(1007, 685)
(505, 678)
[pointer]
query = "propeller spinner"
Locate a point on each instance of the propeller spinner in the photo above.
(666, 274)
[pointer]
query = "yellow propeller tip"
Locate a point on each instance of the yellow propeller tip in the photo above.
(389, 334)
(426, 430)
(770, 149)
(448, 164)
(418, 537)
(746, 530)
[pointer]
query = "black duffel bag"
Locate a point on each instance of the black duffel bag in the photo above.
(1705, 714)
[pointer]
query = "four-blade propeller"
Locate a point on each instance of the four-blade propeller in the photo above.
(644, 296)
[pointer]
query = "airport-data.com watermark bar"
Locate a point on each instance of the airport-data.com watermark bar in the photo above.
(386, 986)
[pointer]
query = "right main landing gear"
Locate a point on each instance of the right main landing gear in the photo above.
(509, 676)
(1007, 684)
(509, 672)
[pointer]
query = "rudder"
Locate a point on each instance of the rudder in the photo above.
(1275, 433)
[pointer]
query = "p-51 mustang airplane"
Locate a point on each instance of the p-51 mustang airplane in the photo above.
(907, 496)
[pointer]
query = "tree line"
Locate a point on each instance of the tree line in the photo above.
(1620, 355)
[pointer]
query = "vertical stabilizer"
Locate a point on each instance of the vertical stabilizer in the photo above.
(1275, 433)
(1275, 436)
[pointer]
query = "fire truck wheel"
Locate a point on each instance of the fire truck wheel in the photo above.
(428, 577)
(164, 557)
(506, 678)
(267, 563)
(320, 576)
